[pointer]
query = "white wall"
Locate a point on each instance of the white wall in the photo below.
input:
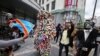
(47, 2)
(81, 8)
(58, 18)
(98, 22)
(59, 4)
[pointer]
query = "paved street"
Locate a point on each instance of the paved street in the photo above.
(27, 49)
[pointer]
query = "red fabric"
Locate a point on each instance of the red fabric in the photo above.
(67, 3)
(76, 3)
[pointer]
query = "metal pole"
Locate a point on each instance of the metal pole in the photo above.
(94, 10)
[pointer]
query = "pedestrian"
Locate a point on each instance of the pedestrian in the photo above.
(74, 41)
(15, 34)
(64, 40)
(58, 32)
(87, 39)
(72, 38)
(71, 29)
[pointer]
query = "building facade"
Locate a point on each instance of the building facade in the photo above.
(64, 9)
(97, 21)
(23, 9)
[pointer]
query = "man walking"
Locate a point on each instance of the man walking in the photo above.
(87, 39)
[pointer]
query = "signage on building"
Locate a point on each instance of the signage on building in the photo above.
(68, 2)
(71, 3)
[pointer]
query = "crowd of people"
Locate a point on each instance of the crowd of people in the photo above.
(81, 40)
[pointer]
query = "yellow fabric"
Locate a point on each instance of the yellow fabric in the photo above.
(65, 39)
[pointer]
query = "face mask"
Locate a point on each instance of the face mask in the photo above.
(87, 26)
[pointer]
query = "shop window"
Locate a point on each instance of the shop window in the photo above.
(47, 7)
(39, 2)
(53, 5)
(42, 1)
(36, 1)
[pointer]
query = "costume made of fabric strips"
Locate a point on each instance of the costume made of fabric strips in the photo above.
(44, 32)
(42, 44)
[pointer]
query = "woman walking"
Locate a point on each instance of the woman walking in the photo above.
(64, 40)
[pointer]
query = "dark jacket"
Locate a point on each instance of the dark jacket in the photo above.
(58, 29)
(69, 32)
(90, 42)
(68, 36)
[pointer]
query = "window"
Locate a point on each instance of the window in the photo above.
(36, 1)
(47, 7)
(39, 2)
(42, 1)
(53, 5)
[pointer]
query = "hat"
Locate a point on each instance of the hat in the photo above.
(9, 15)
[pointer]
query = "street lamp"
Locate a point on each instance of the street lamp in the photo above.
(94, 9)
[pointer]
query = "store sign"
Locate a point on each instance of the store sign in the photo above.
(71, 3)
(68, 2)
